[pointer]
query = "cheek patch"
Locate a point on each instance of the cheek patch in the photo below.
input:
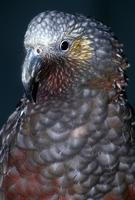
(81, 49)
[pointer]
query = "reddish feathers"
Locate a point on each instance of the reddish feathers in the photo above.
(24, 182)
(129, 195)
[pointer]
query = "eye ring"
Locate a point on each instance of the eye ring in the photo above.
(64, 46)
(38, 50)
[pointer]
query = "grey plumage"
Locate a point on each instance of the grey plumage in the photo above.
(76, 140)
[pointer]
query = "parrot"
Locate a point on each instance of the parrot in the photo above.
(72, 135)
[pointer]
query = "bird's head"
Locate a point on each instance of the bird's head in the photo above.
(65, 51)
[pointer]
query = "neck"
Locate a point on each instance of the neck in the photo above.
(111, 85)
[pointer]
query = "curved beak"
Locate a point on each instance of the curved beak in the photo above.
(30, 69)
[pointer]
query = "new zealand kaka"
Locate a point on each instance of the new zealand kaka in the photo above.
(72, 137)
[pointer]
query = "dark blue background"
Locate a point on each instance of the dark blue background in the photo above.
(15, 15)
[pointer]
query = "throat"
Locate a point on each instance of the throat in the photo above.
(55, 86)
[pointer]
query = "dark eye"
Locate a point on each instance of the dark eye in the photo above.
(64, 45)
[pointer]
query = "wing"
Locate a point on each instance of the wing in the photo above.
(7, 135)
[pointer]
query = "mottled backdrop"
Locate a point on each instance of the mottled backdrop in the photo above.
(14, 17)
